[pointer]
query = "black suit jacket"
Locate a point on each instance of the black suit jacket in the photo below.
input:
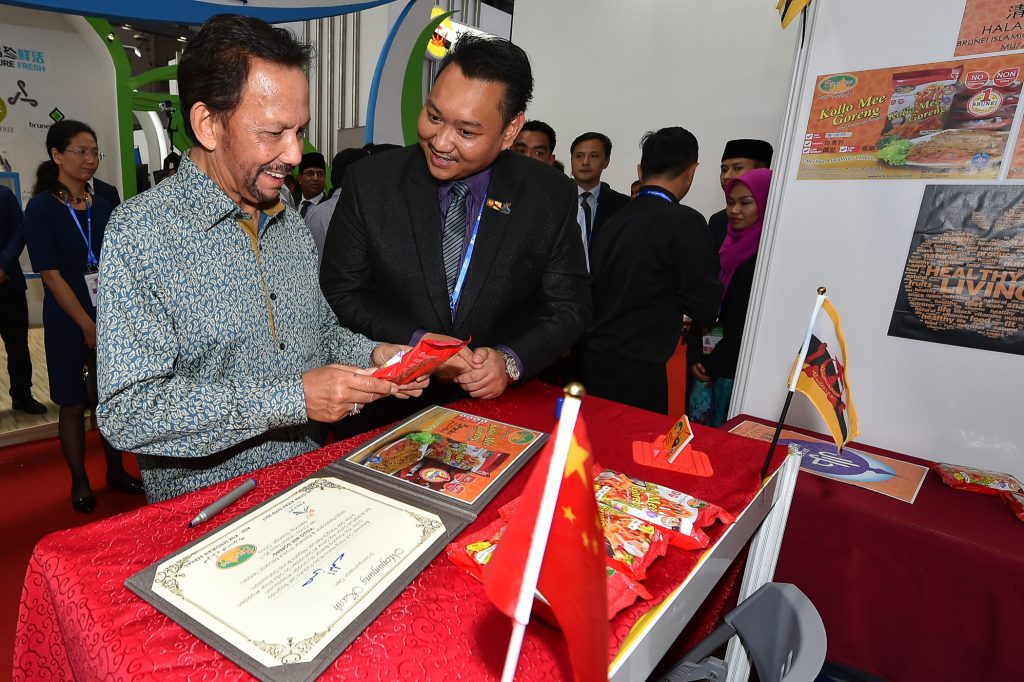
(652, 263)
(527, 286)
(12, 240)
(608, 202)
(107, 191)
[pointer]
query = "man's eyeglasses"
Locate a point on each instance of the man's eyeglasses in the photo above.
(94, 153)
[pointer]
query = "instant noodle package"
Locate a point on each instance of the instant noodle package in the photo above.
(474, 551)
(426, 356)
(977, 480)
(1015, 501)
(681, 516)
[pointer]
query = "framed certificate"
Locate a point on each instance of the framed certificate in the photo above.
(283, 589)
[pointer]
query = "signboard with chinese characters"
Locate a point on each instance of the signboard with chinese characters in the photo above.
(990, 26)
(945, 120)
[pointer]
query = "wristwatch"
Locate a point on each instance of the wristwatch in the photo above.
(511, 366)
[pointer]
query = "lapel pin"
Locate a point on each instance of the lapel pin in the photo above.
(500, 206)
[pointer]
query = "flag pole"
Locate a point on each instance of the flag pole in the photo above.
(531, 573)
(819, 301)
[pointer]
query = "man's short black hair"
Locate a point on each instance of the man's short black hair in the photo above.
(586, 137)
(216, 62)
(668, 152)
(494, 60)
(541, 127)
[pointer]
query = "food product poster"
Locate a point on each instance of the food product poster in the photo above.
(1016, 169)
(884, 475)
(451, 453)
(963, 284)
(940, 121)
(990, 26)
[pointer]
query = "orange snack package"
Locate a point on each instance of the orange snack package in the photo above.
(977, 480)
(1015, 501)
(473, 552)
(422, 359)
(631, 544)
(679, 515)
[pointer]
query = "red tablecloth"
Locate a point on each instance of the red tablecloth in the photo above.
(78, 621)
(930, 591)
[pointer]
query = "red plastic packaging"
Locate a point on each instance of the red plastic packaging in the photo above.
(680, 516)
(472, 552)
(422, 359)
(977, 480)
(631, 544)
(1015, 501)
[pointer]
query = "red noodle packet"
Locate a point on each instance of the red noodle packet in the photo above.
(474, 551)
(1015, 501)
(977, 480)
(680, 516)
(422, 359)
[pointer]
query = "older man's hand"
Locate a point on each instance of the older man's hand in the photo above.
(336, 391)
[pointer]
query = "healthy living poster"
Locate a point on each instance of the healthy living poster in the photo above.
(990, 26)
(963, 284)
(936, 121)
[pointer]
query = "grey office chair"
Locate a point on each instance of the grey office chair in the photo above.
(780, 630)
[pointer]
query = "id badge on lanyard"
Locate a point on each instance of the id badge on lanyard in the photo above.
(92, 274)
(711, 339)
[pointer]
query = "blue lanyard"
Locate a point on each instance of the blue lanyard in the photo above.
(453, 301)
(648, 192)
(90, 259)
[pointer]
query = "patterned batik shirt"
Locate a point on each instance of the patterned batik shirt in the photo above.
(203, 335)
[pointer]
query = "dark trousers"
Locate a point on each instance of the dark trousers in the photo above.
(630, 382)
(14, 332)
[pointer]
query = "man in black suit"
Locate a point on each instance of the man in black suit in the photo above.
(652, 262)
(14, 306)
(458, 237)
(107, 191)
(590, 154)
(739, 157)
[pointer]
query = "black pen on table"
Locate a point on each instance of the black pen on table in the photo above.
(221, 503)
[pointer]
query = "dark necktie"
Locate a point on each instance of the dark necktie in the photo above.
(585, 204)
(306, 203)
(454, 233)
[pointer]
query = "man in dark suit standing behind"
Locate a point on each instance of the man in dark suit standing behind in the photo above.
(652, 262)
(458, 237)
(14, 306)
(590, 155)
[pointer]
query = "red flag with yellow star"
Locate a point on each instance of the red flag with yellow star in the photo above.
(572, 575)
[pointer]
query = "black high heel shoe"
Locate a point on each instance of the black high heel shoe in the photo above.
(84, 503)
(125, 483)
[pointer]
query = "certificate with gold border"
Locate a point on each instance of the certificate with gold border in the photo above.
(281, 583)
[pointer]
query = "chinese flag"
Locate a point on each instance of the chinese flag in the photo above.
(572, 576)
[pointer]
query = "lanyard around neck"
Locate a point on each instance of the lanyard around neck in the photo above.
(651, 192)
(453, 301)
(90, 258)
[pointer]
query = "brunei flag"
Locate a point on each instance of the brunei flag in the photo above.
(820, 373)
(789, 9)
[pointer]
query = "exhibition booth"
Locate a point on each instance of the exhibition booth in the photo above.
(897, 187)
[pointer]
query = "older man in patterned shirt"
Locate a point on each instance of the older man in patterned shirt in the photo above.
(214, 340)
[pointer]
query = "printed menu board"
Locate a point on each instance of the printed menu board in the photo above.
(943, 121)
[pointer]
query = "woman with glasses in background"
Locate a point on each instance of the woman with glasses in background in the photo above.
(64, 225)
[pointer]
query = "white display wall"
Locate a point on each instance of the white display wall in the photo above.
(938, 402)
(62, 65)
(722, 70)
